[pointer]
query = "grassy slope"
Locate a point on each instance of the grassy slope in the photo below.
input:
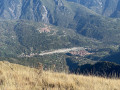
(17, 77)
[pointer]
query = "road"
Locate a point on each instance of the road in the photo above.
(65, 50)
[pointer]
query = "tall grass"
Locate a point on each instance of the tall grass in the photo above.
(17, 77)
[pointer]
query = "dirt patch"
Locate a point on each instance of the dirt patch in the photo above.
(45, 29)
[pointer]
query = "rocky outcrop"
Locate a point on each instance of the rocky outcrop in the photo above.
(35, 10)
(23, 9)
(10, 9)
(45, 15)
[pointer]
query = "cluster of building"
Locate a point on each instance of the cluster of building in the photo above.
(80, 53)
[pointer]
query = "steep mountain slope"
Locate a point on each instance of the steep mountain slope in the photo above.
(117, 11)
(74, 16)
(49, 11)
(103, 7)
(10, 9)
(103, 29)
(57, 12)
(64, 14)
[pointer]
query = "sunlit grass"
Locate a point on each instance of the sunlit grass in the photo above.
(17, 77)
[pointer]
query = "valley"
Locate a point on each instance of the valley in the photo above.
(71, 36)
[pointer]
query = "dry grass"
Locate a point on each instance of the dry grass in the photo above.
(17, 77)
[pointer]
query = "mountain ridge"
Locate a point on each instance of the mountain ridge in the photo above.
(109, 8)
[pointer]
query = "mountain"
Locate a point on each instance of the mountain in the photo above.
(57, 12)
(109, 8)
(13, 14)
(82, 22)
(64, 14)
(31, 27)
(27, 37)
(117, 11)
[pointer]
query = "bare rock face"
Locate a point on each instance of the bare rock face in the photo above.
(45, 18)
(38, 11)
(10, 9)
(23, 9)
(59, 2)
(29, 9)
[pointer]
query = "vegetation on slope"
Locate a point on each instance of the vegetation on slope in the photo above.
(106, 54)
(26, 36)
(103, 7)
(56, 60)
(14, 39)
(70, 15)
(105, 69)
(14, 77)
